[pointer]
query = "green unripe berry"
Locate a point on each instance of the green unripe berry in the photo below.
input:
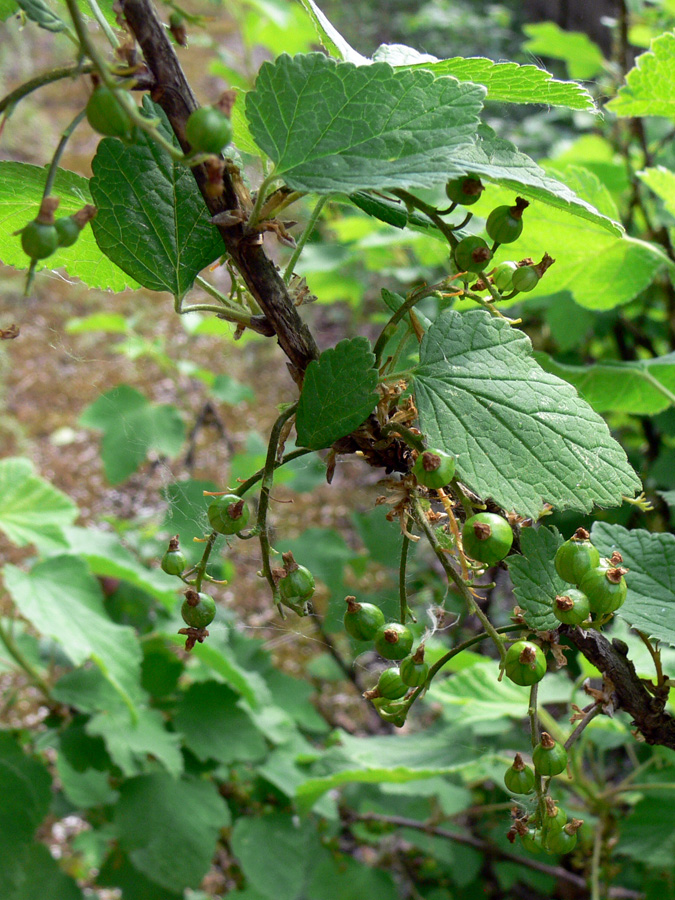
(487, 537)
(208, 129)
(414, 671)
(503, 276)
(549, 757)
(297, 584)
(434, 468)
(106, 115)
(472, 254)
(572, 607)
(173, 562)
(605, 588)
(576, 557)
(198, 610)
(68, 231)
(505, 223)
(39, 241)
(228, 514)
(525, 663)
(390, 684)
(519, 779)
(465, 190)
(525, 279)
(362, 620)
(393, 640)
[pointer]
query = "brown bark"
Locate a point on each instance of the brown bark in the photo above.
(173, 93)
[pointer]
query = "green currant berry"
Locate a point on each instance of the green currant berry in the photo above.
(173, 562)
(472, 254)
(519, 779)
(605, 588)
(487, 537)
(39, 241)
(393, 640)
(549, 757)
(228, 514)
(390, 685)
(465, 190)
(572, 607)
(394, 711)
(525, 663)
(525, 279)
(562, 841)
(576, 557)
(531, 841)
(198, 610)
(297, 584)
(68, 231)
(362, 620)
(503, 276)
(208, 130)
(106, 115)
(505, 223)
(414, 671)
(434, 468)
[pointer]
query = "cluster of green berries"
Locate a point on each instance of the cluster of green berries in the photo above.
(549, 831)
(600, 587)
(393, 641)
(504, 225)
(486, 537)
(42, 236)
(208, 128)
(198, 609)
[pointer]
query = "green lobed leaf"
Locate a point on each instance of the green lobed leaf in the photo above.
(650, 602)
(338, 393)
(84, 789)
(32, 511)
(650, 85)
(132, 736)
(583, 56)
(332, 126)
(506, 82)
(8, 8)
(25, 787)
(501, 162)
(108, 557)
(345, 878)
(214, 727)
(599, 270)
(63, 600)
(521, 435)
(43, 878)
(285, 871)
(382, 759)
(152, 220)
(117, 872)
(535, 580)
(21, 188)
(662, 182)
(642, 388)
(132, 426)
(648, 833)
(169, 827)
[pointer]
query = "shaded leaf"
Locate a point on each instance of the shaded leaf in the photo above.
(535, 580)
(38, 12)
(152, 220)
(132, 426)
(32, 511)
(169, 828)
(583, 56)
(521, 435)
(338, 393)
(43, 878)
(662, 182)
(332, 126)
(643, 388)
(63, 600)
(650, 602)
